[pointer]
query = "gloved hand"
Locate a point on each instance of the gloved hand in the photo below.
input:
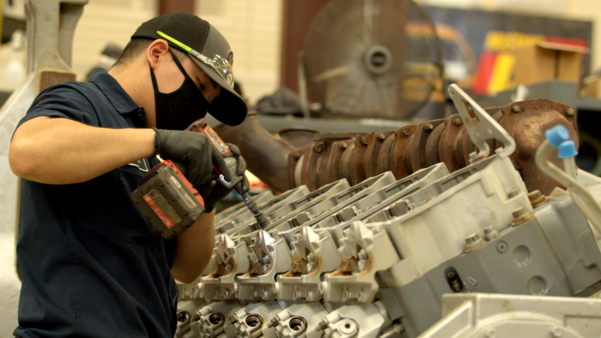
(193, 150)
(213, 191)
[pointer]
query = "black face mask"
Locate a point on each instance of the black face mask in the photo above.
(177, 110)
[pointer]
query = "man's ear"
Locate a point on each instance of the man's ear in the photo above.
(157, 52)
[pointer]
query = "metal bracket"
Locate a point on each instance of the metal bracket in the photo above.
(480, 126)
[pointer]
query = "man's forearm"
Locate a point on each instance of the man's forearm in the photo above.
(62, 151)
(194, 249)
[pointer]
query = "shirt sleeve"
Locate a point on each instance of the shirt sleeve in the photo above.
(170, 245)
(65, 101)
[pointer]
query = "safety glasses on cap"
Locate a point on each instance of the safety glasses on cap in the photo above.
(220, 64)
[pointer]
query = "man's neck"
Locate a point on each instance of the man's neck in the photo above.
(131, 80)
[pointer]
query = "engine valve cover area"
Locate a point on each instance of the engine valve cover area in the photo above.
(384, 271)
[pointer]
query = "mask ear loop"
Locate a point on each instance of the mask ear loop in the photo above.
(179, 65)
(154, 80)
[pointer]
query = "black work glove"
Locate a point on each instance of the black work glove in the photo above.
(192, 150)
(212, 192)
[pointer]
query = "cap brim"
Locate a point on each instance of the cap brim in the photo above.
(229, 107)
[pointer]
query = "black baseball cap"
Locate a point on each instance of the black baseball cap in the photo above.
(209, 50)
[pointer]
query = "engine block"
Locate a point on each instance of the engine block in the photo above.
(389, 256)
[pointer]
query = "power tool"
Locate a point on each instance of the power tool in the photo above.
(170, 201)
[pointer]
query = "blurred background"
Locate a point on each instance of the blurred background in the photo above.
(267, 35)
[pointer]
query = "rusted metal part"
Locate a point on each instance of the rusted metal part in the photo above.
(415, 157)
(403, 137)
(411, 148)
(293, 159)
(385, 156)
(527, 127)
(431, 155)
(451, 146)
(357, 156)
(357, 172)
(298, 138)
(314, 161)
(370, 158)
(317, 159)
(335, 160)
(346, 161)
(265, 155)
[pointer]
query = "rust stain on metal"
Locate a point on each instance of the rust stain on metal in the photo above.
(371, 154)
(344, 268)
(368, 265)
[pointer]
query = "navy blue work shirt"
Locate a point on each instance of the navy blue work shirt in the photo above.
(92, 264)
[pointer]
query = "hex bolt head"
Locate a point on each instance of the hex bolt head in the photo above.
(516, 108)
(537, 198)
(472, 238)
(513, 193)
(517, 213)
(490, 233)
(381, 137)
(457, 120)
(569, 111)
(364, 140)
(473, 242)
(428, 127)
(318, 148)
(406, 131)
(520, 215)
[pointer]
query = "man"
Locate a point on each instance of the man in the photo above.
(92, 264)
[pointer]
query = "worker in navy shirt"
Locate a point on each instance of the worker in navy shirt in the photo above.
(92, 264)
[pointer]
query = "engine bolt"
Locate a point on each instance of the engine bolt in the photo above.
(490, 233)
(537, 198)
(318, 148)
(428, 127)
(381, 137)
(516, 108)
(406, 131)
(569, 111)
(457, 120)
(364, 140)
(473, 242)
(342, 146)
(520, 215)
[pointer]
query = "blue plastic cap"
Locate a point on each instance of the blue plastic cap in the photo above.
(557, 135)
(567, 149)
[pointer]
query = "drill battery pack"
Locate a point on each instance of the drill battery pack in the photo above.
(168, 199)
